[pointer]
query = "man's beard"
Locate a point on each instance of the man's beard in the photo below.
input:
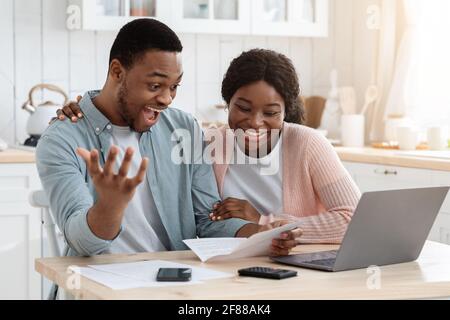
(124, 109)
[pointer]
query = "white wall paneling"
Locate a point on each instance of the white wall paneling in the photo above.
(250, 42)
(28, 56)
(324, 53)
(364, 49)
(343, 34)
(279, 44)
(55, 47)
(7, 76)
(186, 93)
(302, 57)
(36, 47)
(82, 59)
(103, 42)
(208, 77)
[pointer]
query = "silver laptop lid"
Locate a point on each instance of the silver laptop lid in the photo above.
(389, 227)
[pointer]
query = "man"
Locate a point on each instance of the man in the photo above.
(149, 203)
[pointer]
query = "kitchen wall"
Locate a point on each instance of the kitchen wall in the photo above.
(36, 47)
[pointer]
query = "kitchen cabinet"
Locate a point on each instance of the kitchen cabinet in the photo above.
(113, 14)
(211, 16)
(371, 177)
(441, 229)
(302, 18)
(20, 232)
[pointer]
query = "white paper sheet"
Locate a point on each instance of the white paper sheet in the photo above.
(220, 249)
(108, 279)
(143, 274)
(207, 248)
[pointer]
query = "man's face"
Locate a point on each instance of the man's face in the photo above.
(148, 88)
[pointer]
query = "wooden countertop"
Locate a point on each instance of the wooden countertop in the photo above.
(16, 156)
(362, 155)
(428, 277)
(392, 158)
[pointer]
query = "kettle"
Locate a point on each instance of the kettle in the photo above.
(41, 115)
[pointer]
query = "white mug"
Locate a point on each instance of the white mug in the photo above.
(437, 137)
(408, 138)
(352, 130)
(391, 125)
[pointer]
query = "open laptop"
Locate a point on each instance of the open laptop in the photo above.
(388, 227)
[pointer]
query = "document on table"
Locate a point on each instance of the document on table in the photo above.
(120, 276)
(220, 249)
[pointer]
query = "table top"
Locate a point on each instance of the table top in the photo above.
(428, 277)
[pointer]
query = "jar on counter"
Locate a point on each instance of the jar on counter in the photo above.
(393, 122)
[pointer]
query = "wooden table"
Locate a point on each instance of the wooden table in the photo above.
(428, 277)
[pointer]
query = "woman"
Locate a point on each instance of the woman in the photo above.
(288, 170)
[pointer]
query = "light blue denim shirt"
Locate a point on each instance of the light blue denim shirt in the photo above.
(183, 193)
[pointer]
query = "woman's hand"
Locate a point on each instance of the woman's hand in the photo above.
(286, 242)
(234, 208)
(71, 110)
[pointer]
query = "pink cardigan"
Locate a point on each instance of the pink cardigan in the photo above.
(317, 189)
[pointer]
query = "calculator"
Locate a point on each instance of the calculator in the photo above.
(265, 272)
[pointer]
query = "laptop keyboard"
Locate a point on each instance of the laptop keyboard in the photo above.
(323, 262)
(330, 259)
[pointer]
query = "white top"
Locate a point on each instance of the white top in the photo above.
(143, 230)
(258, 180)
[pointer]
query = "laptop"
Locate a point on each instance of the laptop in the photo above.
(388, 227)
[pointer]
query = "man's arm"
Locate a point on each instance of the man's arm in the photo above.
(63, 180)
(101, 222)
(114, 191)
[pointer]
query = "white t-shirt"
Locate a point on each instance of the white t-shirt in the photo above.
(260, 183)
(143, 230)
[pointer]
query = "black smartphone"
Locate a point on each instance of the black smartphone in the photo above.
(174, 274)
(265, 272)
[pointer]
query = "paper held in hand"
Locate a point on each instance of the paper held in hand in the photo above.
(220, 249)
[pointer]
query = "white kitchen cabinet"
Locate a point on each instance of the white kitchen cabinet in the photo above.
(370, 177)
(301, 18)
(441, 229)
(440, 178)
(113, 14)
(20, 233)
(212, 16)
(297, 18)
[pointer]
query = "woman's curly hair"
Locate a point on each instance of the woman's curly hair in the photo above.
(272, 67)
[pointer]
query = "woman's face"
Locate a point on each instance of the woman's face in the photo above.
(256, 108)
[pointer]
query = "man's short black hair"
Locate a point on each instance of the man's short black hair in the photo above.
(140, 35)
